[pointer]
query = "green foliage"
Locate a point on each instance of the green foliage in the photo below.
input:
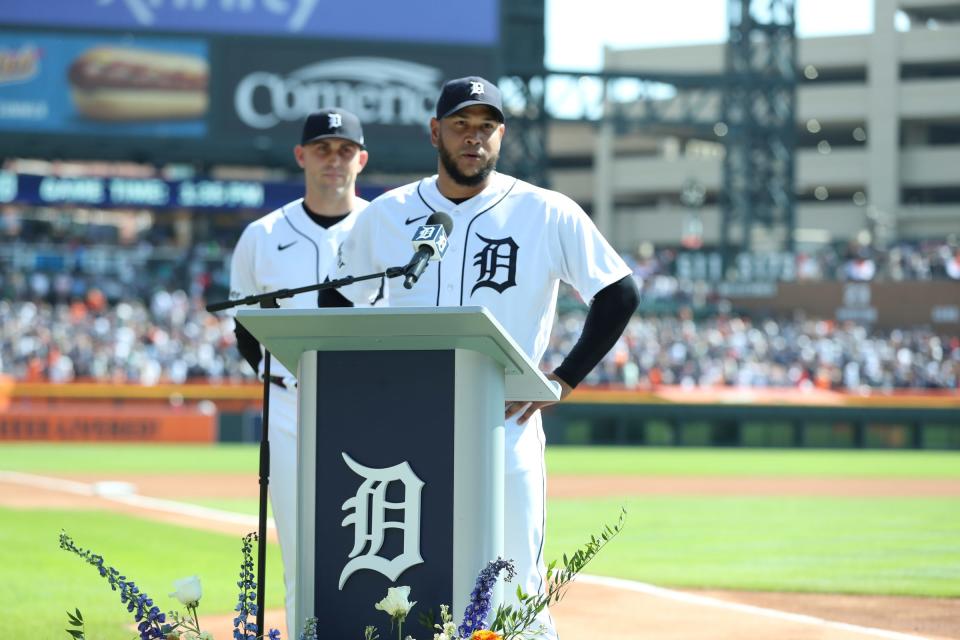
(75, 620)
(520, 622)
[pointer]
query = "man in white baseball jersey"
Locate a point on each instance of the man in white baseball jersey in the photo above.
(510, 246)
(296, 246)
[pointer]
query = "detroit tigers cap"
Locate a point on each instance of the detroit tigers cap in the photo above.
(465, 92)
(332, 123)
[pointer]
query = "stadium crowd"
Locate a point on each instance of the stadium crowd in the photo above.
(73, 310)
(736, 351)
(169, 339)
(62, 328)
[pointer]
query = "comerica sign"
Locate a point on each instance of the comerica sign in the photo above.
(379, 90)
(261, 101)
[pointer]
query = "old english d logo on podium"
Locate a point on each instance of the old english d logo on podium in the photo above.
(400, 453)
(368, 517)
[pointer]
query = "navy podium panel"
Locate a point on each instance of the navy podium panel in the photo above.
(384, 485)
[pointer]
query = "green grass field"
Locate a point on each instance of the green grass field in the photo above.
(752, 462)
(896, 546)
(874, 545)
(132, 458)
(39, 581)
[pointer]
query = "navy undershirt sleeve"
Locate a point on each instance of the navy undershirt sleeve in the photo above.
(607, 318)
(248, 346)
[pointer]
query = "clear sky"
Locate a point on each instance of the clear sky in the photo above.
(578, 29)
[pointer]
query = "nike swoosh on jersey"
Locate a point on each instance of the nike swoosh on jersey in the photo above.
(412, 220)
(281, 247)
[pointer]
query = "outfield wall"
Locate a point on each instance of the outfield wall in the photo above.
(104, 422)
(666, 416)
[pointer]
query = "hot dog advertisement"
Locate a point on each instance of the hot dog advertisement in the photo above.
(114, 83)
(103, 85)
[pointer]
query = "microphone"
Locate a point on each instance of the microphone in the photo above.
(430, 243)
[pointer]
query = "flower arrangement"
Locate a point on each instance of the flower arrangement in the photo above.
(509, 622)
(152, 624)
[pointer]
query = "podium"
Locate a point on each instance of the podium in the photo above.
(400, 453)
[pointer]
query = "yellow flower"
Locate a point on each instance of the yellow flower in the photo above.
(485, 634)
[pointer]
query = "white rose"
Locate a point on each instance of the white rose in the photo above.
(396, 604)
(187, 591)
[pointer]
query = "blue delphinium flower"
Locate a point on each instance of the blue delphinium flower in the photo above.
(243, 629)
(247, 600)
(475, 615)
(149, 618)
(309, 629)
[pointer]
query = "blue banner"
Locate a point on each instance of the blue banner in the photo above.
(103, 85)
(426, 21)
(152, 193)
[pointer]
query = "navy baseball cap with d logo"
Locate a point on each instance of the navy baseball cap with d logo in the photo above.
(465, 92)
(332, 123)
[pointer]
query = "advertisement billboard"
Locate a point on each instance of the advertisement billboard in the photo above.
(261, 101)
(229, 81)
(85, 422)
(103, 85)
(474, 23)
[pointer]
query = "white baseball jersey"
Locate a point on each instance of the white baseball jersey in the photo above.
(509, 248)
(285, 249)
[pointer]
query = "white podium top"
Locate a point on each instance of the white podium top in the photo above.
(288, 333)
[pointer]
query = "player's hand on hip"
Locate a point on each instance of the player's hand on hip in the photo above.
(525, 410)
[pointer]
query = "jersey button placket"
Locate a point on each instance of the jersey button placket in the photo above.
(449, 293)
(450, 271)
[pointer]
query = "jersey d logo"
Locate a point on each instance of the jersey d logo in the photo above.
(368, 516)
(336, 120)
(498, 264)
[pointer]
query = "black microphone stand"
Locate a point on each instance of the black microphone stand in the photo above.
(269, 301)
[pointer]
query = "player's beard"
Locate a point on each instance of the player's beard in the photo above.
(460, 177)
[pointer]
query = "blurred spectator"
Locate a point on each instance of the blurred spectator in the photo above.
(860, 266)
(125, 342)
(808, 268)
(736, 351)
(952, 265)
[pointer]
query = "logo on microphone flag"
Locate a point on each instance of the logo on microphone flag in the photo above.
(432, 235)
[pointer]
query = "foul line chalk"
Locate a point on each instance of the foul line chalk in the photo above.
(705, 601)
(132, 499)
(43, 482)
